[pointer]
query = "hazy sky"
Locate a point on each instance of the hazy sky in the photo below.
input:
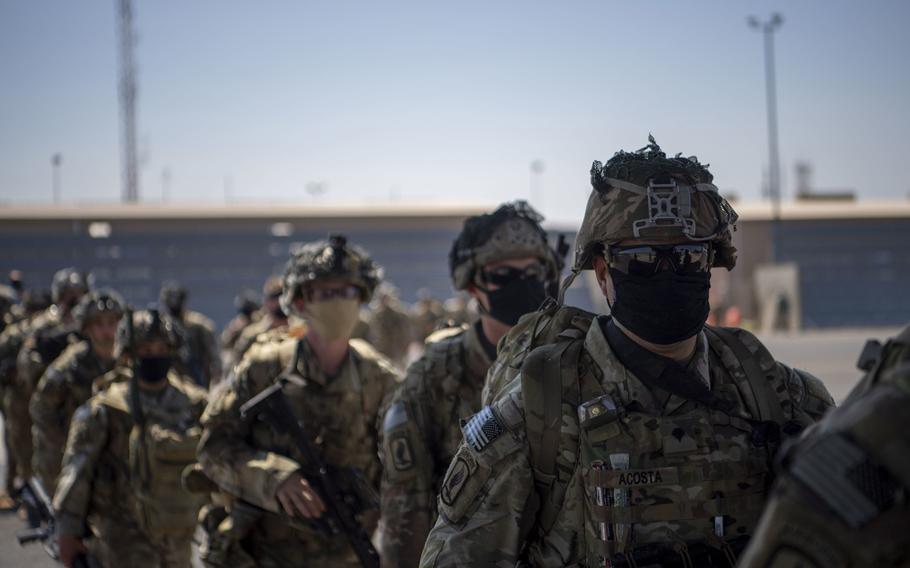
(446, 100)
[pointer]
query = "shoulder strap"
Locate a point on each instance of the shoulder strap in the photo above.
(543, 397)
(768, 403)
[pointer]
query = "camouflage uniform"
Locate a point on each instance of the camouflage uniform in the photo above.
(247, 312)
(422, 428)
(65, 386)
(427, 315)
(843, 498)
(249, 461)
(390, 328)
(97, 486)
(421, 431)
(121, 480)
(200, 357)
(249, 335)
(581, 461)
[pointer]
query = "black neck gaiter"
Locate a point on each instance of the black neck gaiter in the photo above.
(519, 297)
(664, 307)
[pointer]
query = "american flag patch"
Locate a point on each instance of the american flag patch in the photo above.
(482, 429)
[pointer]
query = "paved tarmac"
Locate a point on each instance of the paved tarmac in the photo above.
(829, 355)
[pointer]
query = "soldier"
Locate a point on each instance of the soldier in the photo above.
(126, 452)
(427, 315)
(273, 318)
(34, 303)
(842, 497)
(247, 304)
(502, 259)
(68, 381)
(389, 325)
(200, 355)
(337, 385)
(49, 334)
(641, 439)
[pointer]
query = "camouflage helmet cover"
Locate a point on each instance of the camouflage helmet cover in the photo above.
(96, 303)
(173, 296)
(645, 194)
(67, 279)
(512, 231)
(148, 325)
(333, 258)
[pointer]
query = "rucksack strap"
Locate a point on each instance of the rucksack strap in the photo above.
(543, 397)
(766, 401)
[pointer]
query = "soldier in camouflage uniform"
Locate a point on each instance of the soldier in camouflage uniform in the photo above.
(641, 439)
(67, 382)
(125, 455)
(48, 335)
(389, 325)
(503, 260)
(247, 304)
(273, 319)
(843, 497)
(427, 315)
(34, 303)
(200, 357)
(335, 384)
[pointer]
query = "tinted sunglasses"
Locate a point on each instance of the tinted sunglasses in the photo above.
(647, 259)
(505, 275)
(346, 292)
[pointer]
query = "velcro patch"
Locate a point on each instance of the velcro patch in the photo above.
(482, 429)
(402, 456)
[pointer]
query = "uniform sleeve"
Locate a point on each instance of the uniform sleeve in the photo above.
(811, 399)
(46, 403)
(487, 496)
(225, 452)
(88, 436)
(407, 495)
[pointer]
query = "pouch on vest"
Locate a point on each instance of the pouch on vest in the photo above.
(157, 461)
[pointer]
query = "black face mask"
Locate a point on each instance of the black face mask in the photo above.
(662, 308)
(515, 299)
(154, 369)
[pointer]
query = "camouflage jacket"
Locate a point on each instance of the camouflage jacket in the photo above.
(421, 432)
(202, 360)
(249, 460)
(500, 503)
(390, 332)
(251, 333)
(66, 385)
(97, 485)
(843, 499)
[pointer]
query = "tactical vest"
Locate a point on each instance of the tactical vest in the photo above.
(158, 455)
(691, 485)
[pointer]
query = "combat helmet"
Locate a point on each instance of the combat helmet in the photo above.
(512, 231)
(173, 297)
(67, 279)
(148, 325)
(328, 259)
(95, 303)
(644, 194)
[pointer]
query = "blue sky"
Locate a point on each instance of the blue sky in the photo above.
(447, 101)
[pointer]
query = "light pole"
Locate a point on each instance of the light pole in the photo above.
(537, 168)
(768, 28)
(56, 162)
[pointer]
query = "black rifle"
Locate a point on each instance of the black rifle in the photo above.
(42, 524)
(339, 517)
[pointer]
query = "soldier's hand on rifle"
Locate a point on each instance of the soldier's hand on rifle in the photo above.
(298, 498)
(70, 547)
